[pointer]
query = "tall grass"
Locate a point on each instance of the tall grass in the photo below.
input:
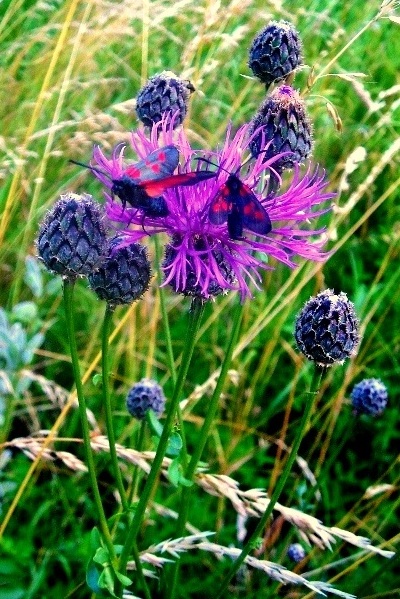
(69, 74)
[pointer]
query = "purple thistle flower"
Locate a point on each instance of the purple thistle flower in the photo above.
(196, 241)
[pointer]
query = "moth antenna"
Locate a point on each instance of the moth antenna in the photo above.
(91, 168)
(219, 167)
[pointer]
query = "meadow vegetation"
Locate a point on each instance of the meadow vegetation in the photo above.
(69, 75)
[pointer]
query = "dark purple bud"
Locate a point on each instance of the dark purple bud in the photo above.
(163, 94)
(282, 122)
(275, 52)
(370, 397)
(125, 274)
(327, 329)
(72, 237)
(143, 396)
(296, 552)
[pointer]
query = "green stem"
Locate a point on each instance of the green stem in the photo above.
(108, 407)
(200, 444)
(135, 475)
(315, 384)
(170, 352)
(111, 438)
(68, 290)
(194, 323)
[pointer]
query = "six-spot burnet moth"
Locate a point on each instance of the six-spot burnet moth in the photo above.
(143, 183)
(236, 205)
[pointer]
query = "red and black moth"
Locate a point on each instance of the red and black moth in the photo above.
(142, 184)
(237, 205)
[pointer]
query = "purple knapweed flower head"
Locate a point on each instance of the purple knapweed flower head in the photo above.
(370, 397)
(204, 257)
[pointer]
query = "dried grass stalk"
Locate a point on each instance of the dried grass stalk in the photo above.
(174, 547)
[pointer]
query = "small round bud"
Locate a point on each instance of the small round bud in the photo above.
(143, 396)
(275, 52)
(163, 94)
(282, 122)
(370, 397)
(72, 237)
(296, 552)
(191, 286)
(125, 274)
(327, 329)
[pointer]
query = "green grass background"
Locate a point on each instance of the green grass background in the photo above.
(69, 73)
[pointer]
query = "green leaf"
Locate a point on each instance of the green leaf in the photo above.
(174, 444)
(33, 276)
(95, 540)
(92, 577)
(154, 424)
(101, 556)
(106, 581)
(174, 473)
(124, 579)
(97, 380)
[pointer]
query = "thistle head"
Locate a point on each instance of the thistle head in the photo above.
(125, 274)
(201, 256)
(72, 237)
(143, 396)
(370, 397)
(282, 125)
(164, 94)
(327, 329)
(275, 52)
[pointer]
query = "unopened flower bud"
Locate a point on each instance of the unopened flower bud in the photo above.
(143, 396)
(163, 94)
(370, 397)
(327, 329)
(125, 274)
(282, 122)
(275, 52)
(296, 552)
(72, 237)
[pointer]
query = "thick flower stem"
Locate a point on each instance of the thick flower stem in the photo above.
(68, 289)
(250, 544)
(194, 323)
(201, 442)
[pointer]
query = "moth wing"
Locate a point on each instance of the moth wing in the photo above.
(220, 207)
(157, 165)
(255, 217)
(156, 188)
